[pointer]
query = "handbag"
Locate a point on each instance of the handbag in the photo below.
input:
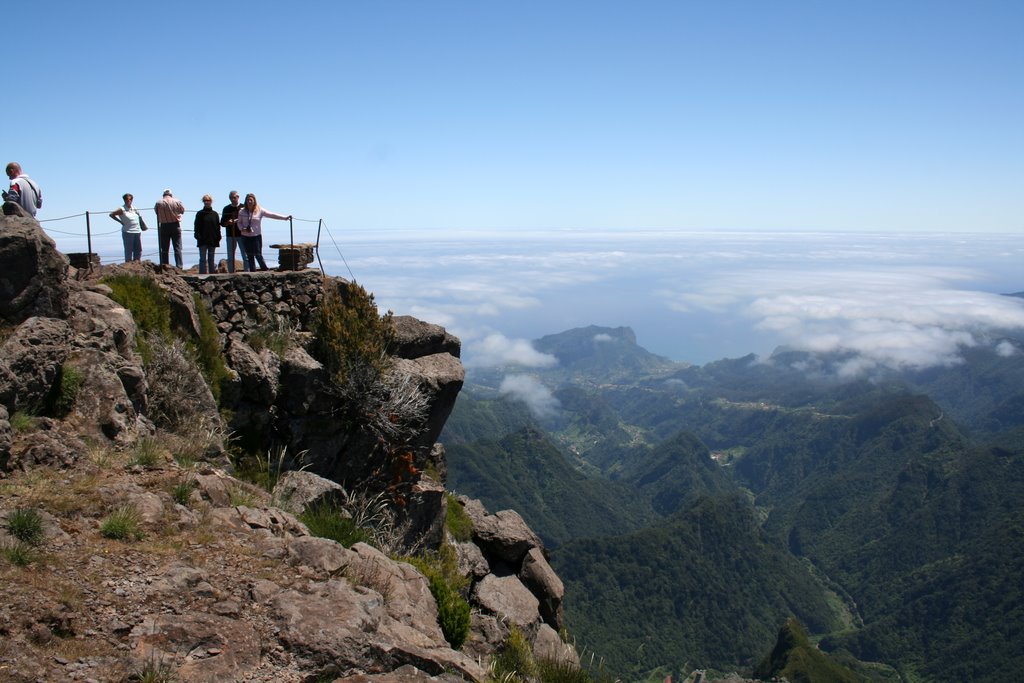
(142, 223)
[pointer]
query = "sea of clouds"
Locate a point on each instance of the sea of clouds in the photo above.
(886, 301)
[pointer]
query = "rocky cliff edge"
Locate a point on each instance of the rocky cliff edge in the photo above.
(213, 578)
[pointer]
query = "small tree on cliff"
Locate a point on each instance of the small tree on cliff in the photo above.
(351, 339)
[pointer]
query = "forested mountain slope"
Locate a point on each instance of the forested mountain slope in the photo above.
(893, 503)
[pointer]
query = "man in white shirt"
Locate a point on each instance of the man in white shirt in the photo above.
(24, 191)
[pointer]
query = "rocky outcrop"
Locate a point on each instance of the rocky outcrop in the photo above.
(32, 272)
(236, 589)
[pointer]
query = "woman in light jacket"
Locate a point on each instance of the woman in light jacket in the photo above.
(250, 221)
(132, 226)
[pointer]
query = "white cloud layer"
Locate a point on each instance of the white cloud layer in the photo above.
(496, 350)
(537, 397)
(888, 300)
(895, 318)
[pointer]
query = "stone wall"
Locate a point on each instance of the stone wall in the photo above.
(243, 302)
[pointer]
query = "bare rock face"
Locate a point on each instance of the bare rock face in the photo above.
(440, 377)
(32, 272)
(357, 631)
(258, 376)
(212, 648)
(541, 579)
(302, 381)
(6, 437)
(31, 361)
(415, 338)
(101, 323)
(507, 598)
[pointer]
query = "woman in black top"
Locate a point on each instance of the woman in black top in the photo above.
(207, 227)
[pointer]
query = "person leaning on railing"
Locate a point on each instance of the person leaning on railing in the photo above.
(250, 221)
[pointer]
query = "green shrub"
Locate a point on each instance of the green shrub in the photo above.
(328, 520)
(351, 341)
(148, 304)
(514, 663)
(147, 453)
(209, 353)
(265, 470)
(122, 524)
(349, 337)
(150, 307)
(64, 391)
(182, 491)
(446, 583)
(19, 553)
(26, 525)
(22, 421)
(457, 521)
(155, 671)
(274, 334)
(452, 612)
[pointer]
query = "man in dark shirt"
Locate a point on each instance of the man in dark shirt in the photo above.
(229, 221)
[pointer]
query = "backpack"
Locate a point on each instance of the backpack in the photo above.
(35, 190)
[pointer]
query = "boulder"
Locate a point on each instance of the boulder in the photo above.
(415, 338)
(102, 407)
(50, 444)
(504, 536)
(506, 597)
(537, 575)
(470, 561)
(101, 323)
(424, 512)
(548, 645)
(352, 629)
(33, 274)
(297, 490)
(319, 554)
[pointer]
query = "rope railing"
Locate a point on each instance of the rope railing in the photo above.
(112, 252)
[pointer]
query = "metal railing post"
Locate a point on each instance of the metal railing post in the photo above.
(319, 225)
(88, 240)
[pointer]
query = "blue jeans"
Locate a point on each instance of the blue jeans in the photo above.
(252, 247)
(170, 233)
(207, 262)
(232, 243)
(132, 246)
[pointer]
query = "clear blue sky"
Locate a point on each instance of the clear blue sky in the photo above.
(385, 115)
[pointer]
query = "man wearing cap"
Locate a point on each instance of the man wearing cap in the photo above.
(168, 215)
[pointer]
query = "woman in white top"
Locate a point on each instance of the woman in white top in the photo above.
(250, 227)
(132, 226)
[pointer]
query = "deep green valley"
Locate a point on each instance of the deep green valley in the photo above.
(692, 512)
